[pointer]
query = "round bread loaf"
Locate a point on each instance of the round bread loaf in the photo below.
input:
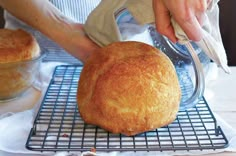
(19, 53)
(129, 88)
(17, 45)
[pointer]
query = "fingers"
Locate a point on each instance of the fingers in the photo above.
(163, 20)
(189, 14)
(209, 2)
(192, 19)
(191, 26)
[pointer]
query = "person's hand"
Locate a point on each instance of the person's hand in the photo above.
(75, 41)
(189, 14)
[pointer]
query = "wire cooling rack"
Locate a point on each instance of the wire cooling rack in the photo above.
(60, 56)
(59, 127)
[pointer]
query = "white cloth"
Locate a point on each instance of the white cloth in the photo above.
(15, 128)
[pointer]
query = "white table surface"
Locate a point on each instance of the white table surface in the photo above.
(221, 99)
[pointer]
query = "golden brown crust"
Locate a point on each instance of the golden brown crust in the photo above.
(128, 87)
(17, 45)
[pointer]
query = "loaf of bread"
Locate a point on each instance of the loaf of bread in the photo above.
(129, 88)
(19, 51)
(17, 45)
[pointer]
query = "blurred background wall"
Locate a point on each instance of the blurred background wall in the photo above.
(227, 27)
(1, 18)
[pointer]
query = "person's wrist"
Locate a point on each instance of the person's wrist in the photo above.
(74, 40)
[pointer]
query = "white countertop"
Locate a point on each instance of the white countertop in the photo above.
(223, 101)
(220, 96)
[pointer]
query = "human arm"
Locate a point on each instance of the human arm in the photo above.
(46, 18)
(189, 14)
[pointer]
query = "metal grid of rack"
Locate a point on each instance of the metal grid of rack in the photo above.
(59, 127)
(60, 56)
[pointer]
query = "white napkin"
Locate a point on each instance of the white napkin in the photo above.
(13, 138)
(15, 128)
